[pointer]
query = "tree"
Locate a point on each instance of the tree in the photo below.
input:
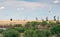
(11, 33)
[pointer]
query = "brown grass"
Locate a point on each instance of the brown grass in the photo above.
(23, 22)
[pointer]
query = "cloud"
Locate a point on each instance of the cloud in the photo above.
(20, 9)
(56, 1)
(24, 4)
(2, 7)
(33, 4)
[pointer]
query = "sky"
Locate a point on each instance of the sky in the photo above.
(29, 9)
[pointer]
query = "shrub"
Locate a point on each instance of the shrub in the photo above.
(32, 24)
(1, 30)
(28, 33)
(11, 33)
(43, 23)
(36, 33)
(56, 30)
(18, 25)
(19, 29)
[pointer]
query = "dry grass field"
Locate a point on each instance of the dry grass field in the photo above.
(8, 22)
(23, 22)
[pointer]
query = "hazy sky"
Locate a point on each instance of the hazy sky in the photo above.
(29, 9)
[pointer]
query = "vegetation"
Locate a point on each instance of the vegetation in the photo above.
(1, 30)
(11, 33)
(43, 23)
(19, 29)
(18, 25)
(31, 29)
(36, 33)
(56, 30)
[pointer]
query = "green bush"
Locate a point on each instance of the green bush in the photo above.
(18, 25)
(37, 33)
(1, 30)
(56, 30)
(32, 24)
(43, 23)
(11, 33)
(41, 33)
(19, 29)
(53, 24)
(28, 33)
(27, 25)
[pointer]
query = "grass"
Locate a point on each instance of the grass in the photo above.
(1, 35)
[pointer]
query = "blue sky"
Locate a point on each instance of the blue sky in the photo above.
(29, 9)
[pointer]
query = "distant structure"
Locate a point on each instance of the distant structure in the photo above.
(46, 18)
(11, 19)
(54, 18)
(36, 18)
